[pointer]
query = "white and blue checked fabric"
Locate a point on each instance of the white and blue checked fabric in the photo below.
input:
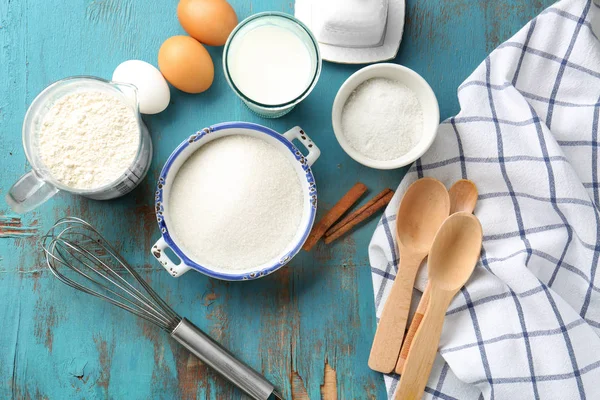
(527, 324)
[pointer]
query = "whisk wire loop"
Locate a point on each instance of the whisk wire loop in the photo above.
(74, 247)
(80, 257)
(137, 297)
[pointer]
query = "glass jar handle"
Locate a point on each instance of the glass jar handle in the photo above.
(129, 91)
(29, 192)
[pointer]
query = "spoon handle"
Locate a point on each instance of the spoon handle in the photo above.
(390, 330)
(412, 329)
(424, 348)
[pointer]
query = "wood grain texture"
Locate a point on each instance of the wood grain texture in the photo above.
(58, 344)
(392, 323)
(423, 350)
(412, 330)
(329, 386)
(463, 197)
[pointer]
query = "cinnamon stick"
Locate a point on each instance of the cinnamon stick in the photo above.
(356, 213)
(334, 214)
(379, 204)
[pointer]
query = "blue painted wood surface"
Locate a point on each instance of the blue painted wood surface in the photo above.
(58, 344)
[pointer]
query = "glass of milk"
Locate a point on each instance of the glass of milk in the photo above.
(272, 62)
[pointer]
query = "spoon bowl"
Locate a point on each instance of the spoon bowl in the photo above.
(455, 251)
(422, 211)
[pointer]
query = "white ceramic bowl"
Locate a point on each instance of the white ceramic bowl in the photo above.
(406, 76)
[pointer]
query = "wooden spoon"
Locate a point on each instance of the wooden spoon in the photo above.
(452, 258)
(463, 197)
(424, 207)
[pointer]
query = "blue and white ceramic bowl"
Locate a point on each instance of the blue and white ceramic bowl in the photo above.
(283, 142)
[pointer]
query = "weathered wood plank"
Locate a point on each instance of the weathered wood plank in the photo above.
(309, 326)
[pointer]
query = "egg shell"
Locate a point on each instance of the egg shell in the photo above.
(208, 21)
(186, 64)
(153, 91)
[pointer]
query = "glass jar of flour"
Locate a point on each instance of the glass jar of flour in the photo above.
(82, 135)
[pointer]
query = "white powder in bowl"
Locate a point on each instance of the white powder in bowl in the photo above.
(382, 119)
(88, 139)
(235, 203)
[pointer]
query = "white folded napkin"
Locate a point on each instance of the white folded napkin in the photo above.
(527, 323)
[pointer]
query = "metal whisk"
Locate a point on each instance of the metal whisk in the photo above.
(80, 257)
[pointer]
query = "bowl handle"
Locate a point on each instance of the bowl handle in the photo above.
(158, 251)
(298, 133)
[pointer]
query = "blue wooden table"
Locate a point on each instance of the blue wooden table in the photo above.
(309, 321)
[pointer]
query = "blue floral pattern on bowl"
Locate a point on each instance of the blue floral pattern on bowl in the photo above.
(167, 240)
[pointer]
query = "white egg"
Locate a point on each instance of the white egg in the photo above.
(153, 90)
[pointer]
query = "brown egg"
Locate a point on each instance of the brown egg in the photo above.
(186, 64)
(208, 21)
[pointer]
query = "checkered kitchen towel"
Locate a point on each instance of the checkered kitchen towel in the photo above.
(527, 324)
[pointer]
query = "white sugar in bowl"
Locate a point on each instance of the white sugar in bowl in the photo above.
(411, 82)
(204, 201)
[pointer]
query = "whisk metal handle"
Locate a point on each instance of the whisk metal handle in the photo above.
(223, 362)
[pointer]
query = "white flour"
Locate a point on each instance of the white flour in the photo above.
(88, 139)
(235, 204)
(382, 119)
